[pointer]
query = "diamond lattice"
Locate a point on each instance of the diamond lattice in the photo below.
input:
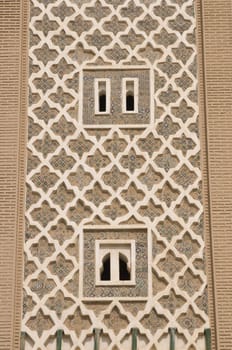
(113, 176)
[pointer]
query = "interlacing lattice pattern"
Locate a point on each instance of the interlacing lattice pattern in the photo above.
(111, 177)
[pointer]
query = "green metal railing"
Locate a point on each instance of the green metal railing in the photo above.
(208, 338)
(59, 336)
(134, 344)
(97, 332)
(172, 332)
(134, 338)
(22, 340)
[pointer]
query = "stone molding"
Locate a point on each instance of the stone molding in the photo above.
(13, 130)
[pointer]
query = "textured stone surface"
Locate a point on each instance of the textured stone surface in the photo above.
(141, 287)
(114, 175)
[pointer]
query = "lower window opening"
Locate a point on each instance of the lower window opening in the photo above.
(130, 103)
(124, 274)
(105, 273)
(102, 103)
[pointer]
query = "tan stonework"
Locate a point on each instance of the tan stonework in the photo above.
(13, 130)
(215, 78)
(131, 171)
(215, 87)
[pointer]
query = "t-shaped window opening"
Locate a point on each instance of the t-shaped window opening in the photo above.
(115, 262)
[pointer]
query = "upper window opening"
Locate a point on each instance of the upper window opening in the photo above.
(102, 96)
(130, 95)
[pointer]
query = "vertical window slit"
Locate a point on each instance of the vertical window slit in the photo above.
(130, 102)
(105, 271)
(102, 96)
(130, 95)
(124, 273)
(102, 102)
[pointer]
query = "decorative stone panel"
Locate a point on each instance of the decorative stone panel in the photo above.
(140, 289)
(116, 114)
(88, 179)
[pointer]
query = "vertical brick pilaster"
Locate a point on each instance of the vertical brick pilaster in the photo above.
(13, 105)
(215, 73)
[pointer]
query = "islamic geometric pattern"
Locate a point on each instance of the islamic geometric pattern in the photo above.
(99, 177)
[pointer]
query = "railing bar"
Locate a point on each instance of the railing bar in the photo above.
(208, 338)
(134, 338)
(59, 336)
(172, 332)
(22, 340)
(97, 332)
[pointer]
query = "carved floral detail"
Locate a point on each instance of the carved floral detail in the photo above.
(154, 321)
(115, 320)
(132, 194)
(116, 145)
(171, 264)
(77, 322)
(187, 246)
(115, 178)
(167, 194)
(80, 145)
(172, 302)
(42, 285)
(80, 178)
(97, 195)
(189, 282)
(44, 214)
(186, 209)
(149, 144)
(115, 210)
(79, 212)
(40, 323)
(150, 177)
(42, 249)
(166, 160)
(60, 267)
(98, 160)
(190, 320)
(62, 195)
(61, 231)
(132, 161)
(169, 228)
(62, 161)
(151, 210)
(59, 303)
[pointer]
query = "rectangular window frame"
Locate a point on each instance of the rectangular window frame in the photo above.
(116, 243)
(96, 95)
(125, 82)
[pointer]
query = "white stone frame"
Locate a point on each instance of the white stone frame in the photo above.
(97, 82)
(125, 82)
(114, 247)
(116, 68)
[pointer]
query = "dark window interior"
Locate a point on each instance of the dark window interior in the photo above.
(130, 103)
(124, 274)
(102, 103)
(105, 273)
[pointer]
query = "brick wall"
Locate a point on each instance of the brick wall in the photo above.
(13, 53)
(216, 138)
(214, 20)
